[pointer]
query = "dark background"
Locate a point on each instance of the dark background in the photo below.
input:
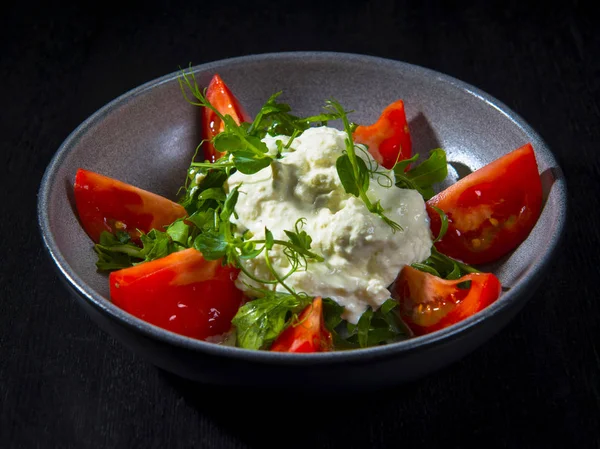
(65, 383)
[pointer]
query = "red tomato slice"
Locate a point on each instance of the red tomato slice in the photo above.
(105, 204)
(182, 293)
(429, 303)
(219, 95)
(308, 335)
(388, 138)
(490, 211)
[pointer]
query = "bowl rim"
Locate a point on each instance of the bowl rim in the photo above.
(519, 292)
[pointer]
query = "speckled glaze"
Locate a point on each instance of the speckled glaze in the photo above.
(147, 137)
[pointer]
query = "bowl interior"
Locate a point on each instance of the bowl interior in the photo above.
(148, 136)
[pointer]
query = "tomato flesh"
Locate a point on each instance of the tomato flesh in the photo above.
(388, 138)
(182, 293)
(309, 334)
(223, 100)
(106, 204)
(429, 303)
(490, 211)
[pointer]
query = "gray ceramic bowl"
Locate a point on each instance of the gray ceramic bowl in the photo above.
(147, 136)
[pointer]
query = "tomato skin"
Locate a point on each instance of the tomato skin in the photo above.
(388, 138)
(223, 100)
(106, 204)
(308, 335)
(490, 211)
(429, 303)
(182, 293)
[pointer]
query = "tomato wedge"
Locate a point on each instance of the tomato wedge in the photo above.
(429, 303)
(105, 204)
(182, 293)
(223, 100)
(490, 211)
(388, 138)
(308, 335)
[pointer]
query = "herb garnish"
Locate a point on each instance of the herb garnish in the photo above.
(422, 177)
(118, 251)
(374, 327)
(260, 321)
(246, 151)
(275, 119)
(353, 171)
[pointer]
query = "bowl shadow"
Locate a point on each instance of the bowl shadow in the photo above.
(423, 136)
(262, 417)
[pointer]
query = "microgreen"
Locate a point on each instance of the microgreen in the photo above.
(260, 321)
(118, 251)
(275, 119)
(374, 327)
(353, 171)
(245, 150)
(443, 266)
(422, 177)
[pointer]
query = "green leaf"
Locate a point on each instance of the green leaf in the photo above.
(107, 239)
(264, 117)
(319, 118)
(228, 142)
(231, 125)
(213, 193)
(203, 219)
(123, 237)
(211, 244)
(114, 255)
(443, 266)
(115, 252)
(213, 178)
(426, 268)
(373, 328)
(257, 143)
(195, 198)
(363, 174)
(248, 250)
(229, 204)
(401, 165)
(455, 273)
(275, 119)
(269, 240)
(157, 245)
(388, 306)
(363, 327)
(260, 321)
(299, 237)
(179, 231)
(422, 177)
(248, 163)
(432, 170)
(332, 313)
(346, 173)
(444, 223)
(301, 242)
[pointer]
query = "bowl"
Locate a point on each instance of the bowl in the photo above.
(147, 137)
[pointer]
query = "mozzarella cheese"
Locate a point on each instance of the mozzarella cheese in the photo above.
(363, 255)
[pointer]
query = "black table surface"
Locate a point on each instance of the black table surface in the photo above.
(65, 383)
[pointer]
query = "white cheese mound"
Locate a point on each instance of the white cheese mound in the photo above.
(362, 254)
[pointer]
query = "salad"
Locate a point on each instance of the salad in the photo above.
(292, 235)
